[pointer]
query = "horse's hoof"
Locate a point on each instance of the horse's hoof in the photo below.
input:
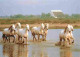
(44, 40)
(13, 41)
(73, 41)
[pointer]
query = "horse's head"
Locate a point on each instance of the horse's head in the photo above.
(12, 28)
(70, 27)
(18, 25)
(47, 26)
(27, 27)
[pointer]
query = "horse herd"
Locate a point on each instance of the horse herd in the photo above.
(21, 34)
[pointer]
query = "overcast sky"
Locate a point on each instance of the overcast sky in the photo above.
(27, 7)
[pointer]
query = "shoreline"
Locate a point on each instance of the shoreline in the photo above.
(51, 26)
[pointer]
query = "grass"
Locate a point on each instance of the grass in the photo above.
(33, 21)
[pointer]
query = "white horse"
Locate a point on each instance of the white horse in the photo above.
(17, 27)
(10, 32)
(7, 32)
(66, 34)
(46, 30)
(37, 31)
(23, 33)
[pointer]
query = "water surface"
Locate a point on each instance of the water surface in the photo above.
(42, 49)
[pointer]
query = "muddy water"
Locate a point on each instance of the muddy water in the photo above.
(42, 49)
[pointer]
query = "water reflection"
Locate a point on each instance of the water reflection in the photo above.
(65, 52)
(11, 50)
(15, 50)
(43, 49)
(40, 52)
(37, 50)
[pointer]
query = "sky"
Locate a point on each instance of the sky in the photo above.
(36, 7)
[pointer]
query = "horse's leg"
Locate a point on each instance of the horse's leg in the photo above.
(22, 39)
(38, 37)
(9, 39)
(13, 39)
(72, 39)
(33, 36)
(18, 38)
(4, 38)
(45, 37)
(69, 40)
(26, 40)
(60, 41)
(65, 41)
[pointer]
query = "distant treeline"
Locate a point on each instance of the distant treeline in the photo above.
(42, 16)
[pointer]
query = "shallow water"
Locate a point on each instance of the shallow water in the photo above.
(42, 49)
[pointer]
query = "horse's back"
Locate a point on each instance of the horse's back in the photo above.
(21, 32)
(6, 31)
(36, 28)
(61, 33)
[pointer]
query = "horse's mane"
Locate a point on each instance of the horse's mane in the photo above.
(65, 29)
(10, 27)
